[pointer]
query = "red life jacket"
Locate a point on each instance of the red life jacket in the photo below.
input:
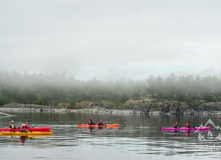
(89, 122)
(27, 125)
(100, 122)
(22, 127)
(188, 125)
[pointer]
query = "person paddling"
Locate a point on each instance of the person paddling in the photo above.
(175, 125)
(188, 125)
(26, 125)
(23, 128)
(12, 125)
(100, 122)
(90, 122)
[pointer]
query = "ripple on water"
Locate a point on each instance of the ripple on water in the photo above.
(141, 140)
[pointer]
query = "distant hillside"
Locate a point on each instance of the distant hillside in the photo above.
(154, 93)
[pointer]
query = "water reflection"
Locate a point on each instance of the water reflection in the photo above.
(175, 133)
(136, 137)
(23, 138)
(90, 130)
(187, 133)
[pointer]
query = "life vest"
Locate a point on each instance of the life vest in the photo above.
(175, 125)
(100, 122)
(89, 122)
(11, 125)
(23, 129)
(188, 125)
(26, 125)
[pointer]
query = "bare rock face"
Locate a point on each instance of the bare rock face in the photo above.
(213, 106)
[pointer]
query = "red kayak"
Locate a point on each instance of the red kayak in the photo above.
(96, 125)
(185, 129)
(44, 129)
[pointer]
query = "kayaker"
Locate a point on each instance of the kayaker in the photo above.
(12, 125)
(175, 125)
(188, 125)
(100, 122)
(23, 128)
(90, 122)
(26, 125)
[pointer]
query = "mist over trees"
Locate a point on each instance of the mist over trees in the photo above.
(185, 88)
(59, 88)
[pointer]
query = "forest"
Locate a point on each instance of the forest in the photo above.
(51, 90)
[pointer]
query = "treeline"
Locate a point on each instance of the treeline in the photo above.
(59, 88)
(190, 89)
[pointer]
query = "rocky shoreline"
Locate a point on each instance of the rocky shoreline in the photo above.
(35, 108)
(165, 110)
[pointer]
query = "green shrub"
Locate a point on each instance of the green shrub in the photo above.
(109, 105)
(72, 105)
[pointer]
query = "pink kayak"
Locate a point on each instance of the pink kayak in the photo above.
(44, 129)
(185, 129)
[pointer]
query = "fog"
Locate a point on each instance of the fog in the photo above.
(110, 39)
(59, 88)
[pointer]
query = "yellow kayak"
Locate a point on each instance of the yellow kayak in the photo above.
(25, 133)
(28, 136)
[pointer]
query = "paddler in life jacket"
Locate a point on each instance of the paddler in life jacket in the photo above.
(90, 122)
(12, 125)
(23, 128)
(175, 125)
(100, 122)
(188, 125)
(26, 125)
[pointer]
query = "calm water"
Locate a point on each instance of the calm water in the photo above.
(138, 137)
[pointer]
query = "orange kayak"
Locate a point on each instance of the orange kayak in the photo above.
(96, 125)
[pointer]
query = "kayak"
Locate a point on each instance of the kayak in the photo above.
(96, 125)
(185, 129)
(38, 129)
(25, 133)
(28, 136)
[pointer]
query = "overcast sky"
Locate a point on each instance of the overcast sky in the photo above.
(111, 38)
